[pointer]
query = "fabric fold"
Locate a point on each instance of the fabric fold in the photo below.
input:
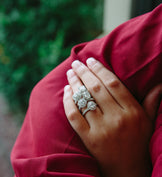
(47, 145)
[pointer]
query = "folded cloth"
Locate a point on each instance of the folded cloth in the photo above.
(46, 144)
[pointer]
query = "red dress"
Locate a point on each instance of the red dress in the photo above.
(47, 145)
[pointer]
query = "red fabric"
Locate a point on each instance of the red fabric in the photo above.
(47, 145)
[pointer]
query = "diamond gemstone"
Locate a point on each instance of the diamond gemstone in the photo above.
(82, 88)
(91, 105)
(82, 103)
(86, 95)
(76, 96)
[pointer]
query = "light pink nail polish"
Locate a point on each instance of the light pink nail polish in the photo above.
(66, 88)
(76, 64)
(91, 61)
(70, 73)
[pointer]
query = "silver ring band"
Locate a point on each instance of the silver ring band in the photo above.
(90, 107)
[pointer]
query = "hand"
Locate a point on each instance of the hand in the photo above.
(118, 132)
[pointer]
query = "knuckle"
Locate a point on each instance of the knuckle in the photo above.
(95, 87)
(125, 121)
(72, 115)
(98, 67)
(74, 80)
(113, 83)
(135, 114)
(121, 123)
(82, 70)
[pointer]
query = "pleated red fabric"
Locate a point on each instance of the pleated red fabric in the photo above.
(47, 146)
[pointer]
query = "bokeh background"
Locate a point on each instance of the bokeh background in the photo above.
(37, 35)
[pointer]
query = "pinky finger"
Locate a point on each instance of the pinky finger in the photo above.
(76, 120)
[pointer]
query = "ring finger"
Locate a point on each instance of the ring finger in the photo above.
(75, 83)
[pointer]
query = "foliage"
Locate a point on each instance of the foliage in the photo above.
(35, 36)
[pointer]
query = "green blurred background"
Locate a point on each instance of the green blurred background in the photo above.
(36, 35)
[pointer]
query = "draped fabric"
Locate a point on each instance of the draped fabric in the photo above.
(47, 145)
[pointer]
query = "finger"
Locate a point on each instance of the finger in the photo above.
(73, 80)
(112, 83)
(75, 83)
(152, 101)
(78, 123)
(94, 85)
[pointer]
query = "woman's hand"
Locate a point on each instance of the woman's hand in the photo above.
(118, 132)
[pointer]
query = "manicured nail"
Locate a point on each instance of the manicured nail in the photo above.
(66, 88)
(70, 73)
(76, 64)
(91, 61)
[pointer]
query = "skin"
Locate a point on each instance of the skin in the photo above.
(118, 132)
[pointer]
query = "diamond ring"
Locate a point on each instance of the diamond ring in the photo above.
(82, 95)
(90, 106)
(83, 99)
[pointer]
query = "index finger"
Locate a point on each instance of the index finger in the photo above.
(120, 93)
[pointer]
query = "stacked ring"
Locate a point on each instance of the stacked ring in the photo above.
(84, 99)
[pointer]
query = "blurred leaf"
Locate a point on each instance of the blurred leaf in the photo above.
(35, 36)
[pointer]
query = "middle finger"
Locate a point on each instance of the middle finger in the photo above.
(96, 88)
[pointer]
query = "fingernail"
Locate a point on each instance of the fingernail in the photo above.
(66, 88)
(70, 73)
(76, 64)
(91, 61)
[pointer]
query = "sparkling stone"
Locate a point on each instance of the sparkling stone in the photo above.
(82, 103)
(91, 105)
(82, 88)
(77, 96)
(87, 95)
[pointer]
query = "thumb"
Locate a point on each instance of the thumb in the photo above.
(152, 101)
